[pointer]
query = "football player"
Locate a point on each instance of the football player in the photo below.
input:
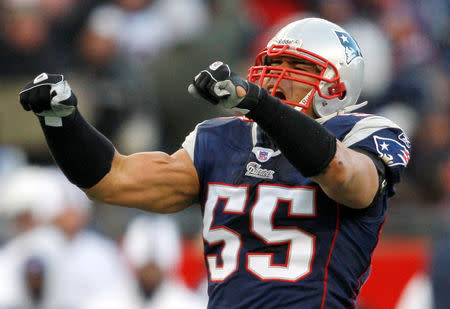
(294, 194)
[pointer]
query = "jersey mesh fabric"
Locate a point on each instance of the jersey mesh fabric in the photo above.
(244, 183)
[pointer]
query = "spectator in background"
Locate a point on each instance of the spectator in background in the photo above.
(268, 16)
(191, 270)
(152, 26)
(380, 63)
(269, 13)
(39, 34)
(66, 19)
(152, 246)
(420, 88)
(430, 290)
(440, 271)
(227, 33)
(11, 157)
(20, 198)
(25, 46)
(413, 53)
(86, 253)
(118, 94)
(68, 254)
(33, 275)
(429, 171)
(378, 53)
(132, 34)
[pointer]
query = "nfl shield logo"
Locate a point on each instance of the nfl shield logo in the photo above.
(262, 154)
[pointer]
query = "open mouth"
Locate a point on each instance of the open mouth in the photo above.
(280, 95)
(279, 92)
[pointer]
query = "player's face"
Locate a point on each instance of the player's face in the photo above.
(288, 89)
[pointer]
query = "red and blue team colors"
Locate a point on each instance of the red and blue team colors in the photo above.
(273, 238)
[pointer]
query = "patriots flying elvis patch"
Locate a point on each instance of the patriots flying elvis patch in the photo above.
(391, 151)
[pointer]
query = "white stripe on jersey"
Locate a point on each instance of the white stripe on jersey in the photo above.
(254, 134)
(189, 142)
(255, 141)
(367, 127)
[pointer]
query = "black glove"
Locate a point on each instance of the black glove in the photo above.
(48, 95)
(217, 84)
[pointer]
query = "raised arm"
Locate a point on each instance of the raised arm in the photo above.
(152, 181)
(347, 176)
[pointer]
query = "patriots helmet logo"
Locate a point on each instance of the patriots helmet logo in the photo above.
(352, 49)
(391, 151)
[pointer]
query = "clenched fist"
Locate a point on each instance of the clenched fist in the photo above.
(48, 95)
(220, 86)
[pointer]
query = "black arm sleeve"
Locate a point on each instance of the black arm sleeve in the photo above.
(304, 142)
(82, 153)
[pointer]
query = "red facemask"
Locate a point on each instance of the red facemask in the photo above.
(260, 71)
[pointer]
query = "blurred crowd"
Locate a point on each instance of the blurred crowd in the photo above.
(129, 62)
(53, 259)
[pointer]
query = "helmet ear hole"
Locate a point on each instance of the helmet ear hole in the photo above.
(337, 89)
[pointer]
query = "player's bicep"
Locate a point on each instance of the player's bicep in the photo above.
(152, 181)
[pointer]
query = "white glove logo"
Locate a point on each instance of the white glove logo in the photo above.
(215, 65)
(40, 78)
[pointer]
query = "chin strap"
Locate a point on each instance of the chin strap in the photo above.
(345, 110)
(307, 100)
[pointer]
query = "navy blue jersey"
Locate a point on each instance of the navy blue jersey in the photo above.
(273, 238)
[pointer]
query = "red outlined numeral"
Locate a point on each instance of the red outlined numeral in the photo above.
(301, 244)
(235, 198)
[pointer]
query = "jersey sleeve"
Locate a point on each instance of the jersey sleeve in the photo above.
(378, 135)
(194, 144)
(189, 142)
(212, 141)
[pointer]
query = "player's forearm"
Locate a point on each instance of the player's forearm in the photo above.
(304, 142)
(346, 176)
(350, 179)
(82, 153)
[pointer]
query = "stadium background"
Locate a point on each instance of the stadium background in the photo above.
(130, 64)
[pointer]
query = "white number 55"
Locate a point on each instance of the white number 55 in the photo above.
(300, 254)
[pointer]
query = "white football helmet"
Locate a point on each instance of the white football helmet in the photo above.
(336, 55)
